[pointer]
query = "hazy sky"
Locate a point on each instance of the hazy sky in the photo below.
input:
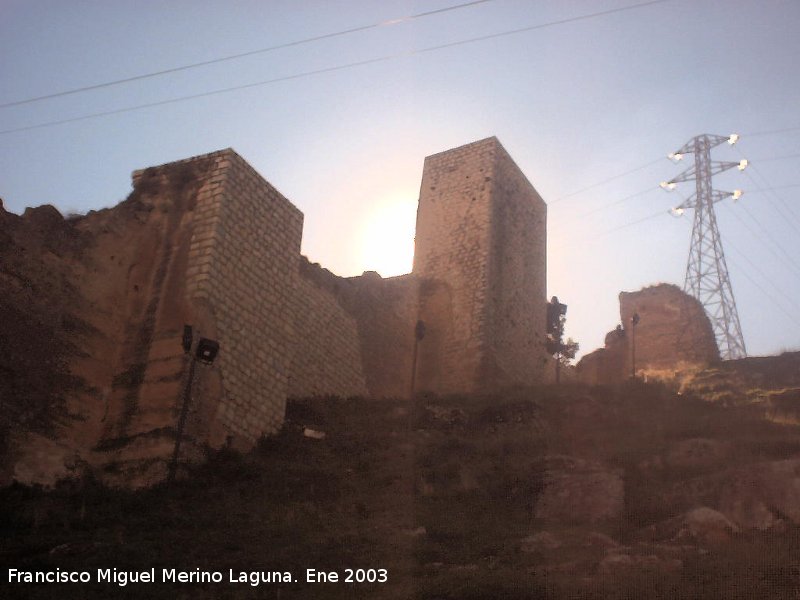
(574, 104)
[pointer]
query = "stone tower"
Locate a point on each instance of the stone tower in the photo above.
(481, 257)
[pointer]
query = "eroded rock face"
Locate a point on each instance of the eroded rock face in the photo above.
(673, 332)
(698, 453)
(580, 491)
(762, 495)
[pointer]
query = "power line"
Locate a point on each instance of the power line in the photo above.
(776, 187)
(787, 216)
(660, 213)
(612, 178)
(619, 201)
(768, 295)
(771, 191)
(317, 38)
(336, 68)
(771, 158)
(771, 131)
(766, 236)
(775, 287)
(613, 203)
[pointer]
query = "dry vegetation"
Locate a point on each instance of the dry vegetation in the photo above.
(446, 494)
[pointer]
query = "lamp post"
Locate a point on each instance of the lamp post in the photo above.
(556, 312)
(205, 352)
(634, 323)
(419, 333)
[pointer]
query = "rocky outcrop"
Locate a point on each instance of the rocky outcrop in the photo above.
(580, 491)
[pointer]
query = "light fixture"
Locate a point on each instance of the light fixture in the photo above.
(737, 194)
(668, 185)
(676, 156)
(733, 139)
(207, 350)
(743, 164)
(676, 212)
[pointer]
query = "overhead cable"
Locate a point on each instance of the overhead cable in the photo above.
(204, 63)
(304, 74)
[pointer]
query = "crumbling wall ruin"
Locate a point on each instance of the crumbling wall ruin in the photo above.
(326, 358)
(673, 333)
(208, 242)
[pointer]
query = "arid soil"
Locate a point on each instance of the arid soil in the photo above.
(632, 491)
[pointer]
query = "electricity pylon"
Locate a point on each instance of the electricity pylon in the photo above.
(706, 271)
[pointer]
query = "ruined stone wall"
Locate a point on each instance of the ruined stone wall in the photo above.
(385, 311)
(148, 297)
(673, 327)
(241, 279)
(368, 349)
(480, 254)
(326, 358)
(204, 241)
(208, 242)
(673, 333)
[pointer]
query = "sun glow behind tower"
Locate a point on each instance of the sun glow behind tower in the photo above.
(387, 236)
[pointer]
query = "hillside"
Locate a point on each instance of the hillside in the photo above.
(557, 492)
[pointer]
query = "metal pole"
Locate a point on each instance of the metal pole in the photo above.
(419, 333)
(187, 393)
(414, 368)
(558, 365)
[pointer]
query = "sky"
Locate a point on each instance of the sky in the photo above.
(587, 99)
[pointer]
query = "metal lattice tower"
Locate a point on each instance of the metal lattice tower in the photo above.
(706, 271)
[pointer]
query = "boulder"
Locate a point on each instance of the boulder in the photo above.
(762, 495)
(697, 453)
(580, 492)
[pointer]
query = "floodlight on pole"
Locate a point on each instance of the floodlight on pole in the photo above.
(205, 352)
(707, 276)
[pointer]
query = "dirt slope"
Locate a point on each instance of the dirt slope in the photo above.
(571, 492)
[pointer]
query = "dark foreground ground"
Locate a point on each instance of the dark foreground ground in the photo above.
(564, 492)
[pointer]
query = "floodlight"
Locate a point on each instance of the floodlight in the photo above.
(676, 212)
(668, 185)
(207, 350)
(737, 194)
(676, 156)
(733, 139)
(743, 164)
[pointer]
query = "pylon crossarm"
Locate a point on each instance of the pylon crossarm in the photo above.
(719, 166)
(712, 141)
(688, 175)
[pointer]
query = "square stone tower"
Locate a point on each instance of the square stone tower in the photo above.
(480, 254)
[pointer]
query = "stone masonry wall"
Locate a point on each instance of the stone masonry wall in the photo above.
(480, 253)
(242, 273)
(452, 256)
(370, 346)
(327, 354)
(517, 292)
(208, 242)
(385, 311)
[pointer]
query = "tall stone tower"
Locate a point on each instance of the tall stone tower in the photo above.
(481, 257)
